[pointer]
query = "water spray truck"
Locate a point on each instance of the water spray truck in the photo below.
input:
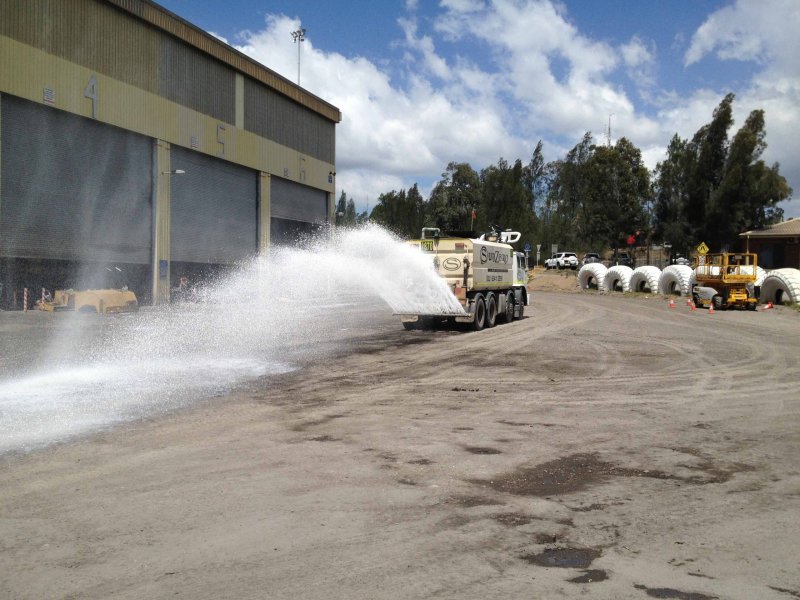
(487, 277)
(722, 280)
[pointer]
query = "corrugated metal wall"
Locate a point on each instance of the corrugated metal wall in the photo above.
(273, 116)
(64, 167)
(214, 209)
(92, 34)
(290, 200)
(73, 188)
(196, 80)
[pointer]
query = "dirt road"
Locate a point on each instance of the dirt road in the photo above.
(605, 447)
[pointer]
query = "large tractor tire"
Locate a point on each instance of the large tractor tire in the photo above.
(618, 279)
(781, 286)
(676, 280)
(592, 276)
(645, 279)
(760, 275)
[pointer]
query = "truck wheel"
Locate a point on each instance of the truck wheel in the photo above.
(508, 314)
(491, 309)
(717, 300)
(480, 313)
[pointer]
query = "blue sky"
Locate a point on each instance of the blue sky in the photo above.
(422, 83)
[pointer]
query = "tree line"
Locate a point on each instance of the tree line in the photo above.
(709, 188)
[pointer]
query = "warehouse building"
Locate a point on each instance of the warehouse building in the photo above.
(134, 143)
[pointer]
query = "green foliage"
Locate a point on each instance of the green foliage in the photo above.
(506, 199)
(710, 190)
(401, 212)
(617, 193)
(707, 189)
(454, 198)
(345, 211)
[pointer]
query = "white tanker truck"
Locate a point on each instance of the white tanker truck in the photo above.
(484, 273)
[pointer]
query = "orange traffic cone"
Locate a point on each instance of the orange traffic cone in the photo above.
(768, 306)
(671, 303)
(689, 301)
(711, 308)
(692, 306)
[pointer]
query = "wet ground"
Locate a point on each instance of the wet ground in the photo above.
(603, 447)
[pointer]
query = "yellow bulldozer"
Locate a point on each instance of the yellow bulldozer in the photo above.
(721, 280)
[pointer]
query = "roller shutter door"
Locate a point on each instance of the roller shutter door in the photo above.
(296, 202)
(73, 188)
(214, 209)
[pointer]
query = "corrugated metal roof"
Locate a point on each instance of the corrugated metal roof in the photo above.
(784, 229)
(167, 21)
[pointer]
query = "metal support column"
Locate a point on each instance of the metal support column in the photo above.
(161, 223)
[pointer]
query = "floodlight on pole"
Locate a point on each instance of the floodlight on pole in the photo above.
(299, 36)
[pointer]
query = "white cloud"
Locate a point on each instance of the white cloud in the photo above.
(538, 77)
(762, 31)
(640, 64)
(751, 30)
(434, 63)
(391, 137)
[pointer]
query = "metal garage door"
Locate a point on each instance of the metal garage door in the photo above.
(214, 209)
(296, 202)
(73, 188)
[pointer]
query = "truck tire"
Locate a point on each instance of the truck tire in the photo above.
(618, 279)
(519, 304)
(676, 279)
(480, 312)
(592, 276)
(781, 286)
(491, 309)
(508, 314)
(645, 279)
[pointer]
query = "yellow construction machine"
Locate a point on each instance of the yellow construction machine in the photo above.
(91, 301)
(721, 280)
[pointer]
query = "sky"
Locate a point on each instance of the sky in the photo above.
(422, 83)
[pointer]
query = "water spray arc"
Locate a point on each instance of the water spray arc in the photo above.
(243, 327)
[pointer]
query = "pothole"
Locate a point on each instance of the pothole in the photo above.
(674, 594)
(565, 558)
(590, 576)
(482, 450)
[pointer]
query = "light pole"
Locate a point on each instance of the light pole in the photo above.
(298, 36)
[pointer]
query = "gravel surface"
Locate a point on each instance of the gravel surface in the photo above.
(605, 446)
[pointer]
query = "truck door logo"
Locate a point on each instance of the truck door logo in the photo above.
(452, 264)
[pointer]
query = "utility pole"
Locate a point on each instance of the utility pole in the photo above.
(608, 137)
(299, 36)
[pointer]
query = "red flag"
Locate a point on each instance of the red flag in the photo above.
(473, 213)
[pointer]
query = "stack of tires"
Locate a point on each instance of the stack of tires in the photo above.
(781, 286)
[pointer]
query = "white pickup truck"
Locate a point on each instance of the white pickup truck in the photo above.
(562, 260)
